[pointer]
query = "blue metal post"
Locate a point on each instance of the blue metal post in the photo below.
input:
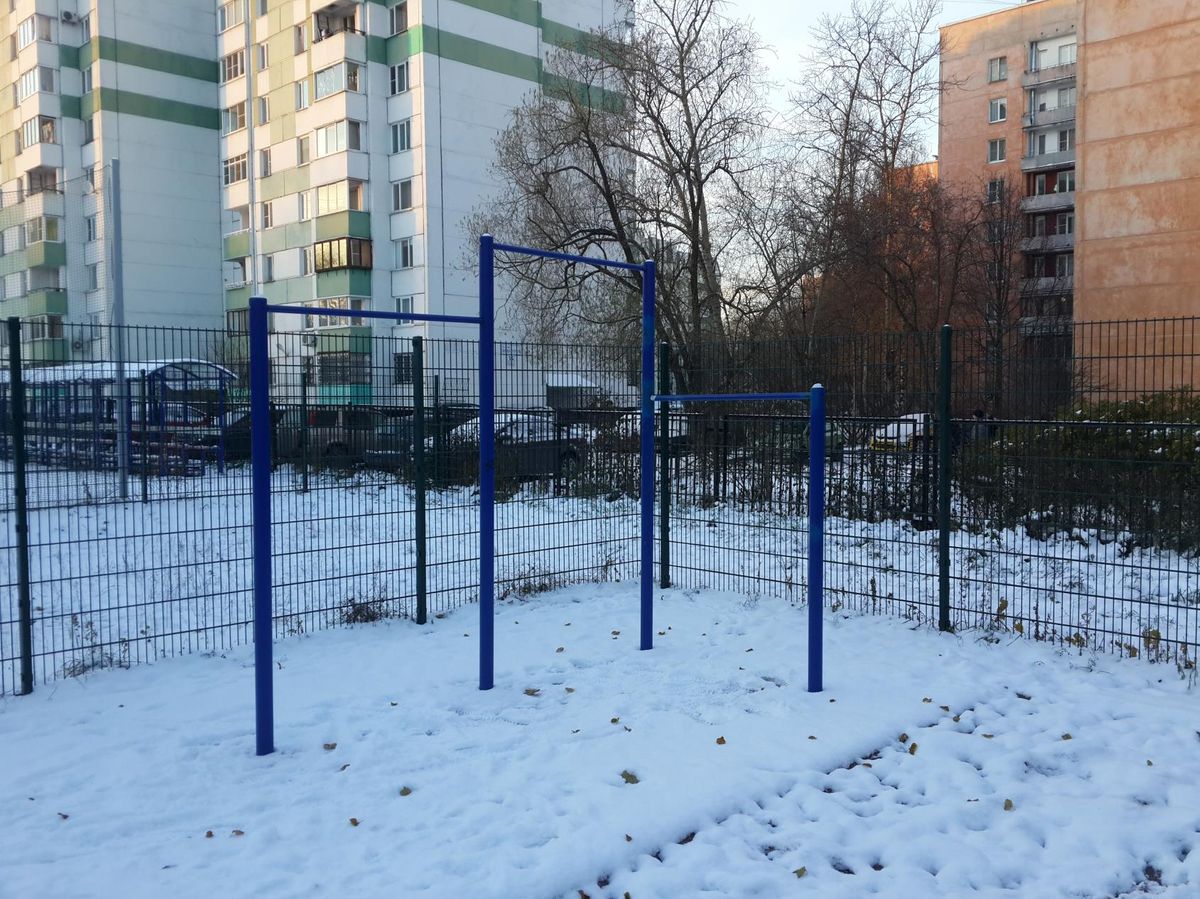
(260, 461)
(646, 489)
(487, 464)
(816, 538)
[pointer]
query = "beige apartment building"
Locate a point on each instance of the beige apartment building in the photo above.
(1088, 109)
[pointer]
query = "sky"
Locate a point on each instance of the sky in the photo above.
(786, 27)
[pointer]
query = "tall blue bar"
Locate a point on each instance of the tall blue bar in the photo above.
(646, 489)
(487, 463)
(260, 466)
(816, 538)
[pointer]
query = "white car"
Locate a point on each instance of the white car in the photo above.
(904, 432)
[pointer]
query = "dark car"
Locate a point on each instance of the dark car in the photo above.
(393, 444)
(528, 445)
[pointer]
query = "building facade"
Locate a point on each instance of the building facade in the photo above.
(322, 152)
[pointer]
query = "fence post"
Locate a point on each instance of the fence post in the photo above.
(16, 402)
(418, 443)
(944, 462)
(816, 540)
(143, 406)
(260, 473)
(304, 378)
(664, 468)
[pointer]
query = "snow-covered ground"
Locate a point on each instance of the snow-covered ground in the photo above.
(932, 765)
(117, 583)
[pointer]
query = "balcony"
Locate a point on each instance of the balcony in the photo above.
(1049, 75)
(343, 224)
(46, 254)
(338, 47)
(1048, 202)
(1048, 243)
(1051, 286)
(46, 349)
(1045, 117)
(40, 301)
(237, 245)
(1047, 161)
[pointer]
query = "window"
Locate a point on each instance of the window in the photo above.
(237, 320)
(994, 270)
(996, 150)
(403, 368)
(35, 80)
(233, 66)
(230, 14)
(300, 37)
(402, 136)
(1066, 140)
(404, 305)
(404, 253)
(89, 224)
(264, 162)
(85, 28)
(302, 94)
(329, 81)
(354, 76)
(89, 79)
(42, 228)
(402, 195)
(45, 326)
(1066, 223)
(399, 78)
(995, 232)
(345, 368)
(89, 172)
(399, 18)
(303, 151)
(264, 110)
(233, 118)
(14, 285)
(267, 267)
(336, 321)
(1065, 182)
(1066, 54)
(38, 130)
(995, 190)
(262, 7)
(35, 28)
(234, 169)
(92, 276)
(339, 196)
(1066, 96)
(302, 205)
(998, 68)
(306, 260)
(998, 110)
(267, 214)
(89, 130)
(344, 135)
(342, 252)
(264, 57)
(1064, 265)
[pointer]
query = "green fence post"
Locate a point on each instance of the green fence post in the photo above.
(418, 440)
(304, 379)
(16, 400)
(944, 462)
(664, 469)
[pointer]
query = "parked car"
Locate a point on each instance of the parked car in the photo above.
(905, 432)
(628, 429)
(329, 435)
(528, 445)
(393, 443)
(798, 430)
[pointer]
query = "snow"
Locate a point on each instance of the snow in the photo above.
(898, 773)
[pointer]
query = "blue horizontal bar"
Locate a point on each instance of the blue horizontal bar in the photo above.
(569, 257)
(373, 313)
(724, 397)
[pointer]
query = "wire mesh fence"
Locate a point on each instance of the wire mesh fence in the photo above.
(1073, 457)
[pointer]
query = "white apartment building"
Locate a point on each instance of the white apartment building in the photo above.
(314, 151)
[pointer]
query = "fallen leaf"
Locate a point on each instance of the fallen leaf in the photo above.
(239, 833)
(63, 815)
(988, 736)
(944, 708)
(1024, 696)
(329, 747)
(628, 838)
(903, 738)
(344, 767)
(1149, 764)
(629, 777)
(720, 741)
(912, 750)
(406, 791)
(532, 691)
(569, 689)
(956, 718)
(662, 633)
(1019, 628)
(394, 704)
(616, 633)
(751, 649)
(811, 737)
(615, 721)
(926, 699)
(1008, 805)
(628, 729)
(1066, 736)
(354, 822)
(561, 649)
(208, 834)
(801, 871)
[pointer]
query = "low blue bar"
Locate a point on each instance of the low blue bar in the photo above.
(646, 487)
(487, 464)
(725, 397)
(375, 313)
(816, 540)
(569, 257)
(260, 541)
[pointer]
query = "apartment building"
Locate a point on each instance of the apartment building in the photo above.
(1089, 107)
(88, 84)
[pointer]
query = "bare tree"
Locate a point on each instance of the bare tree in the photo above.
(644, 147)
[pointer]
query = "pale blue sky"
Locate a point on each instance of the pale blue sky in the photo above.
(786, 26)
